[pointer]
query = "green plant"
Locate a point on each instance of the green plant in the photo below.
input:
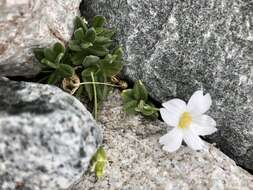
(89, 56)
(51, 61)
(136, 101)
(87, 66)
(98, 162)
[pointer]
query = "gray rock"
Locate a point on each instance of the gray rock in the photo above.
(46, 137)
(177, 47)
(137, 161)
(26, 24)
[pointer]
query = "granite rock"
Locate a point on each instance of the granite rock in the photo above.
(47, 137)
(26, 24)
(177, 47)
(136, 161)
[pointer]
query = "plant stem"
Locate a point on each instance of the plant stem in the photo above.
(95, 96)
(99, 83)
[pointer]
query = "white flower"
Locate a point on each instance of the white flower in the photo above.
(188, 122)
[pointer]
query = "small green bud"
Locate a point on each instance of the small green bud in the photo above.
(98, 162)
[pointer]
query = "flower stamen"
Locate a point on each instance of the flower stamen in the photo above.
(185, 120)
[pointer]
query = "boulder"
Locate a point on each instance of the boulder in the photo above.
(178, 47)
(137, 161)
(26, 24)
(47, 137)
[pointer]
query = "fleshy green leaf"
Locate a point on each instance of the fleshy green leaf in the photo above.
(66, 70)
(78, 57)
(111, 69)
(79, 34)
(101, 40)
(81, 22)
(59, 58)
(127, 95)
(50, 54)
(86, 76)
(86, 45)
(110, 66)
(90, 35)
(98, 51)
(129, 107)
(119, 52)
(49, 63)
(88, 71)
(140, 92)
(148, 110)
(79, 91)
(74, 45)
(53, 78)
(88, 88)
(58, 48)
(98, 21)
(102, 90)
(108, 33)
(90, 60)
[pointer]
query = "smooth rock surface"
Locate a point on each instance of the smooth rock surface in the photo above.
(46, 137)
(137, 161)
(26, 24)
(177, 47)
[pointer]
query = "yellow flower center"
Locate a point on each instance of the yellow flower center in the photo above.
(185, 120)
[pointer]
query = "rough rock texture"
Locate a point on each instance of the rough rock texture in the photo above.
(46, 137)
(25, 24)
(177, 47)
(137, 161)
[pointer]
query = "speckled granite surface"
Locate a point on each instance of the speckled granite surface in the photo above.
(26, 24)
(177, 47)
(137, 161)
(46, 137)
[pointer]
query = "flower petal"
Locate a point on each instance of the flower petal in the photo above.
(198, 103)
(175, 105)
(172, 111)
(193, 140)
(172, 140)
(203, 125)
(169, 117)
